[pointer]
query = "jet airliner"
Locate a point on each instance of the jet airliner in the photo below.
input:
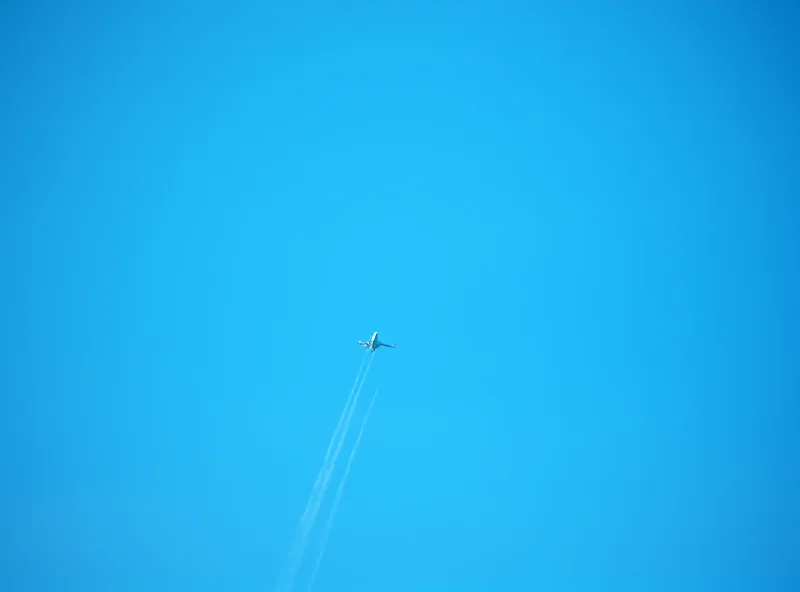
(373, 343)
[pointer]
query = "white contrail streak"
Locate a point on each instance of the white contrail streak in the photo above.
(321, 474)
(323, 477)
(332, 464)
(326, 530)
(314, 500)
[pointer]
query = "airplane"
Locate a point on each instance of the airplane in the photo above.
(373, 343)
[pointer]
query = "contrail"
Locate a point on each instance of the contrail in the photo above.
(332, 465)
(321, 474)
(326, 530)
(323, 477)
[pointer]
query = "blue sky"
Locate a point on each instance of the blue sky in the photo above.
(579, 222)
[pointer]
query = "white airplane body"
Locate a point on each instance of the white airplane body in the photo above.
(373, 343)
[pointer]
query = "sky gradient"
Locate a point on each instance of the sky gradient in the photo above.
(578, 221)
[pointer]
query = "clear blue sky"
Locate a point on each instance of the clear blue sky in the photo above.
(578, 221)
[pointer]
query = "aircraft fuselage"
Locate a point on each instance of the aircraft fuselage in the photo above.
(373, 342)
